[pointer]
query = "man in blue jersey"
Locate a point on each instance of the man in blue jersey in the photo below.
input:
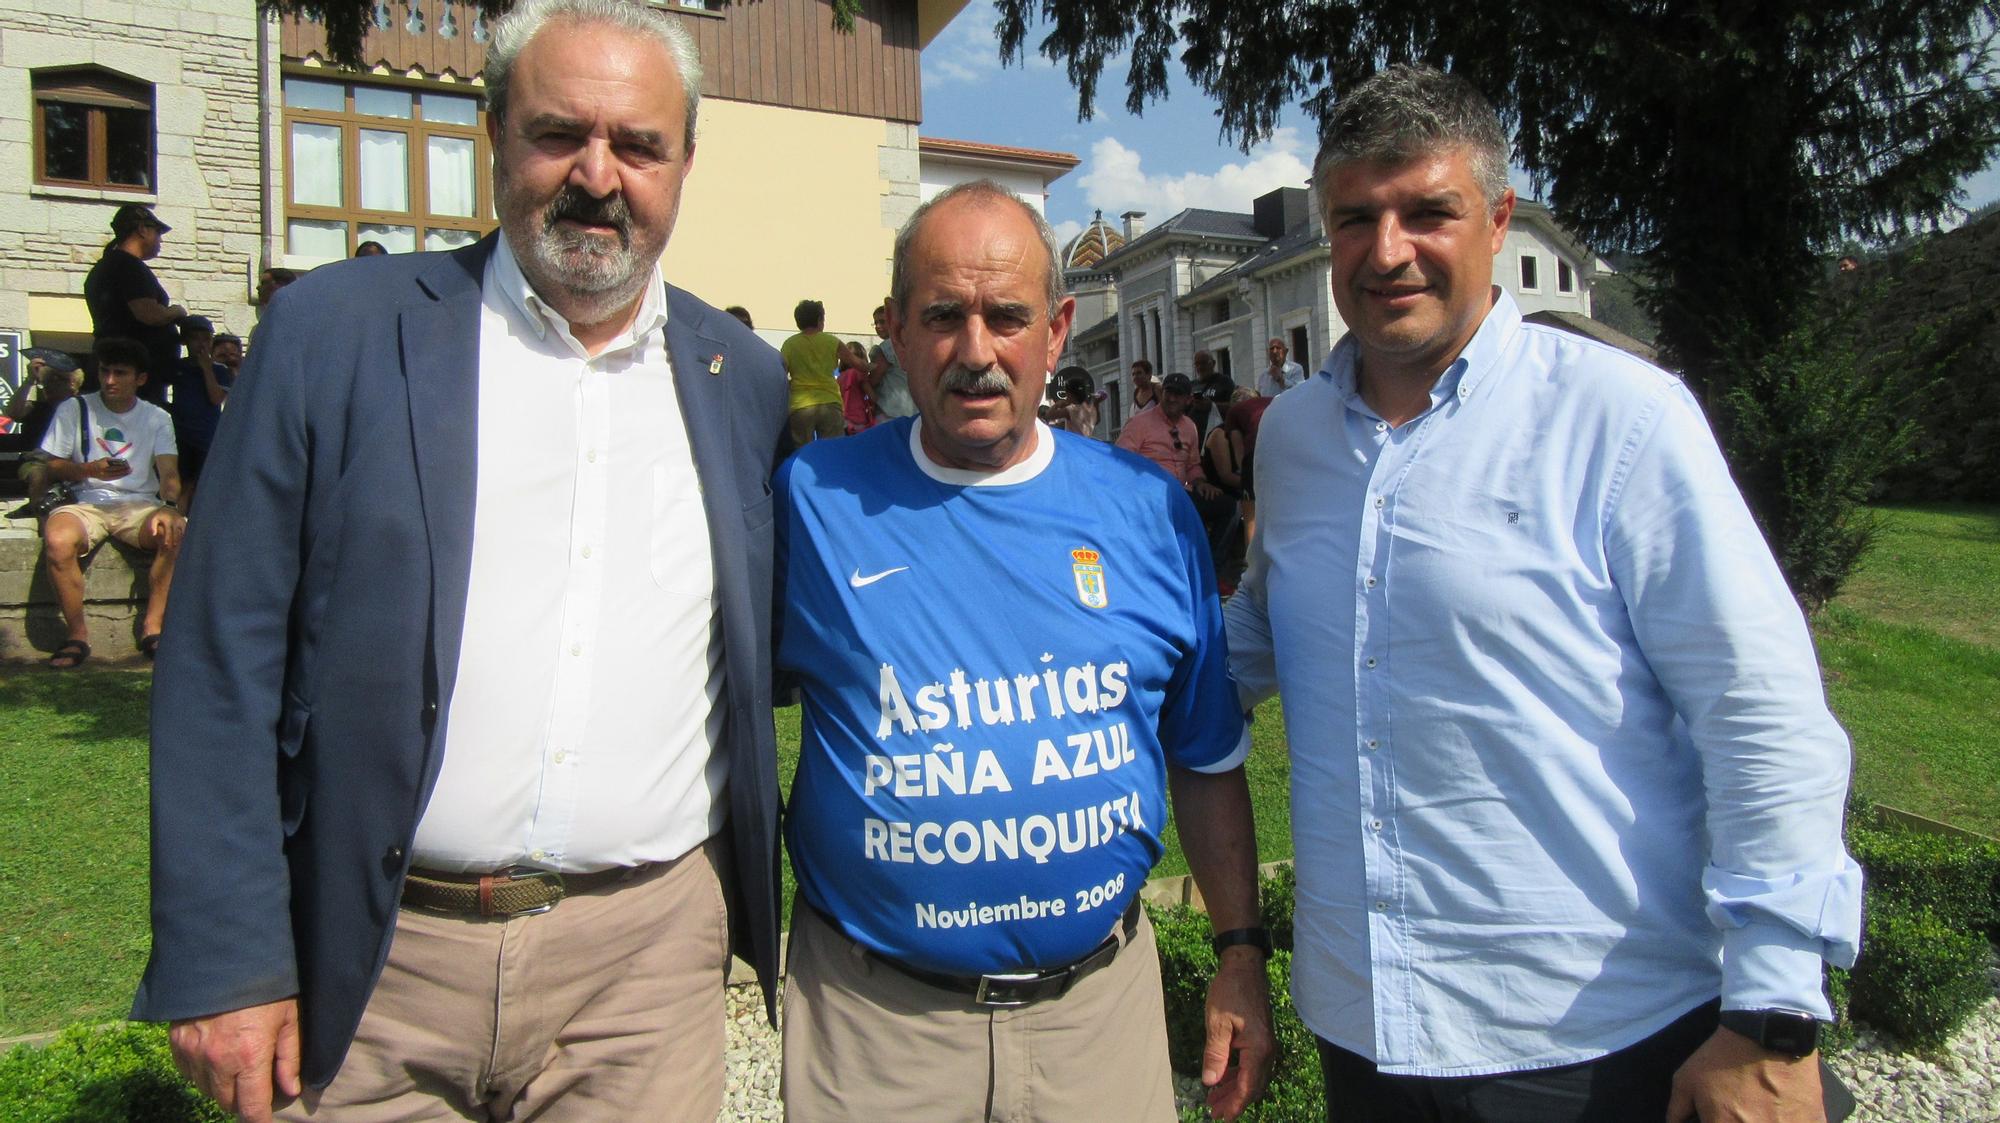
(1009, 650)
(1567, 794)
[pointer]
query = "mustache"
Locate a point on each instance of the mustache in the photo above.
(964, 380)
(577, 205)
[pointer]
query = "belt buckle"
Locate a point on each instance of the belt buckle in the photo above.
(528, 873)
(983, 995)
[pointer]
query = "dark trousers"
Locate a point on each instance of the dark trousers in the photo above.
(1633, 1083)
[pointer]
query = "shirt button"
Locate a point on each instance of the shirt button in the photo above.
(1371, 661)
(1378, 502)
(591, 456)
(576, 649)
(1375, 825)
(1372, 744)
(1371, 582)
(538, 855)
(1381, 425)
(561, 755)
(1381, 906)
(586, 551)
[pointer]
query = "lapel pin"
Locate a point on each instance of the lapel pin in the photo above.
(715, 365)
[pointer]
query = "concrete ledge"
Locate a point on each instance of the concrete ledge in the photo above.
(114, 590)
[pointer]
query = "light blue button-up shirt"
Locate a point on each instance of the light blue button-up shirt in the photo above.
(1562, 766)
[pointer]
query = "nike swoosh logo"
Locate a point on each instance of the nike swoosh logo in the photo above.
(859, 582)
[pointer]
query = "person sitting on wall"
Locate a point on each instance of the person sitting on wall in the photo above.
(119, 451)
(53, 378)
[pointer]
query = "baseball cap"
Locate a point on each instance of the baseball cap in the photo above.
(57, 360)
(132, 216)
(1177, 384)
(197, 323)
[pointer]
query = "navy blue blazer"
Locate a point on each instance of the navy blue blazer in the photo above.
(312, 640)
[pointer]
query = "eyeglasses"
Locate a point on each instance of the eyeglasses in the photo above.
(1176, 435)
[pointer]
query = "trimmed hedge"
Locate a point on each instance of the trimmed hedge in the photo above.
(99, 1072)
(1957, 879)
(1187, 963)
(1919, 976)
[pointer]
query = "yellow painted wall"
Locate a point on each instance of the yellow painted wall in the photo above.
(58, 313)
(785, 205)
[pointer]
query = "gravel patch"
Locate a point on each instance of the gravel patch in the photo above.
(1960, 1084)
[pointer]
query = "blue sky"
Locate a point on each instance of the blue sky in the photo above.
(1168, 159)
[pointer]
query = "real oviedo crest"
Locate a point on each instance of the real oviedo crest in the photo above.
(1089, 570)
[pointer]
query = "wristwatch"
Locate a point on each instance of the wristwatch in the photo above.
(1788, 1032)
(1259, 938)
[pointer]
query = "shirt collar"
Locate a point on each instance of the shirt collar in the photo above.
(1478, 360)
(1045, 451)
(543, 319)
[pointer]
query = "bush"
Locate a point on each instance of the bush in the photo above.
(1809, 434)
(1187, 963)
(1276, 894)
(100, 1073)
(1919, 978)
(1956, 879)
(1838, 1034)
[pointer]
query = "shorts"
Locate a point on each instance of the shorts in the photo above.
(124, 521)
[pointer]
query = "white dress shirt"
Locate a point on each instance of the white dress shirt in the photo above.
(583, 726)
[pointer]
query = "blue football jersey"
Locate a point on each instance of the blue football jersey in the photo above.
(993, 675)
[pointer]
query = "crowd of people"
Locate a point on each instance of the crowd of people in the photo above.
(464, 765)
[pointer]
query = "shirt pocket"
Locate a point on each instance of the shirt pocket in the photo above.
(680, 556)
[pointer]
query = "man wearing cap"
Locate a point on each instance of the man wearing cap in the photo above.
(1166, 436)
(53, 378)
(201, 384)
(127, 301)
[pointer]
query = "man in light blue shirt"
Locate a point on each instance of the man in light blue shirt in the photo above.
(1563, 774)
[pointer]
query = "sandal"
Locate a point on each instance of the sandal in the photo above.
(149, 646)
(70, 655)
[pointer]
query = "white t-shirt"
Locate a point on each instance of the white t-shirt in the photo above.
(137, 436)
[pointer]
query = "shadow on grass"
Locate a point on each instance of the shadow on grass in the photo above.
(95, 705)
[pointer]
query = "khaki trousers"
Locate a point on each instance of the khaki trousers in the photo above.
(608, 1007)
(865, 1042)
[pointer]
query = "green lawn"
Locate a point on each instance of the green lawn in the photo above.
(1912, 654)
(73, 930)
(1911, 649)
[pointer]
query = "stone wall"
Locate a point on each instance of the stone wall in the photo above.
(31, 626)
(201, 58)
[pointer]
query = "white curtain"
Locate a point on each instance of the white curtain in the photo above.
(438, 238)
(395, 239)
(316, 165)
(321, 241)
(449, 173)
(385, 170)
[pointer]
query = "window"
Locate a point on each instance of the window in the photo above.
(1530, 281)
(391, 164)
(1565, 277)
(93, 128)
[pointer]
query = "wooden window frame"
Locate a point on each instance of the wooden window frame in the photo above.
(351, 122)
(94, 90)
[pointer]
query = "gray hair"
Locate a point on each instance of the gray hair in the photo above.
(515, 30)
(1405, 112)
(987, 192)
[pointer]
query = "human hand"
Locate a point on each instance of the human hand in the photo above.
(108, 468)
(1732, 1079)
(1205, 490)
(1236, 1064)
(166, 526)
(243, 1059)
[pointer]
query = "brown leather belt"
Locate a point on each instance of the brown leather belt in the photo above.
(518, 891)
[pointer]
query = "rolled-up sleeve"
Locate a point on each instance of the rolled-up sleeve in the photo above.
(1713, 616)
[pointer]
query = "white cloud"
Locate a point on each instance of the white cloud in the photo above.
(1066, 229)
(1114, 180)
(968, 50)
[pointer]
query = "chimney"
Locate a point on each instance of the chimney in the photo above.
(1135, 224)
(1277, 213)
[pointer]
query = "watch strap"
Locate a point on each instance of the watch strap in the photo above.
(1259, 938)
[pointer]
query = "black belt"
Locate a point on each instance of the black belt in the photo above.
(1008, 991)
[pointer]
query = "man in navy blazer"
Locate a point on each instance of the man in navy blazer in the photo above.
(383, 568)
